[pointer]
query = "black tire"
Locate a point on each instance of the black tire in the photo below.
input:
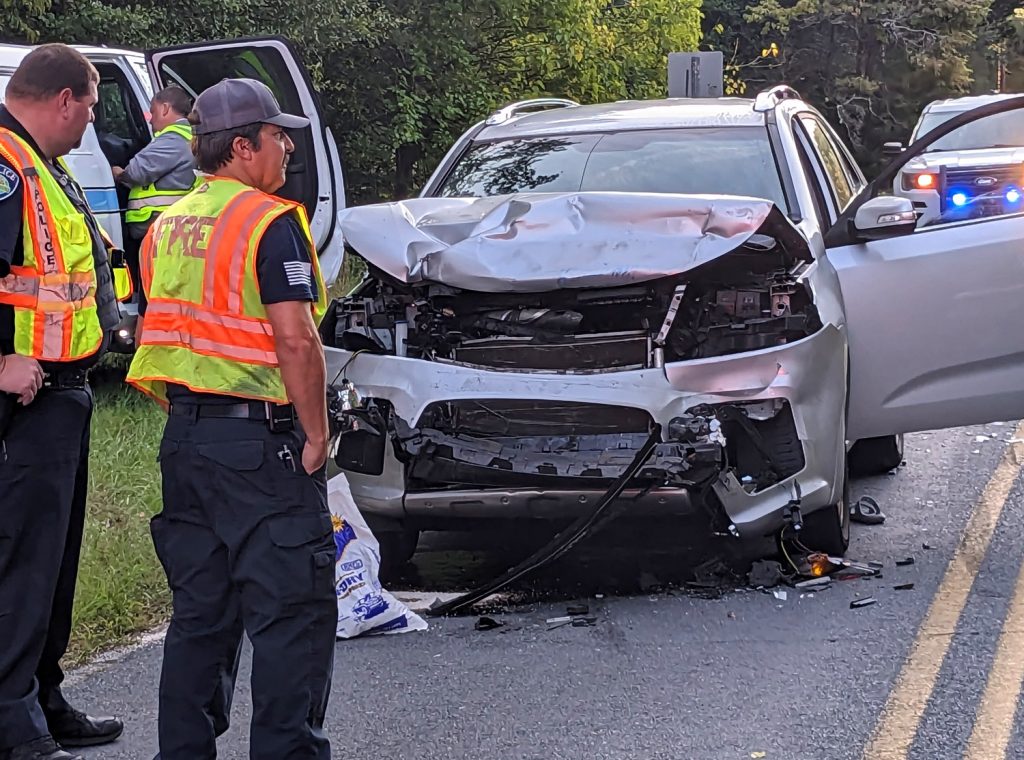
(396, 549)
(876, 456)
(828, 529)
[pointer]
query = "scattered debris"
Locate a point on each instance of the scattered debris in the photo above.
(818, 565)
(982, 439)
(927, 547)
(558, 622)
(488, 624)
(781, 595)
(905, 562)
(867, 601)
(905, 587)
(731, 616)
(577, 609)
(714, 578)
(757, 755)
(815, 583)
(867, 512)
(575, 619)
(765, 574)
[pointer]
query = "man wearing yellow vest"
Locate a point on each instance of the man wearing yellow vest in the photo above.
(163, 171)
(57, 308)
(229, 343)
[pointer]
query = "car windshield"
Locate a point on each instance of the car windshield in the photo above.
(1004, 130)
(718, 161)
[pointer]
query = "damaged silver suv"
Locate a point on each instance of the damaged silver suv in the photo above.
(688, 304)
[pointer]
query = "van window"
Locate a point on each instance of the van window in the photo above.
(120, 122)
(195, 70)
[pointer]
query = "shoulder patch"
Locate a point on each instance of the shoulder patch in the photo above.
(9, 182)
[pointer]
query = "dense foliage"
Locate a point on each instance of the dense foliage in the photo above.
(401, 79)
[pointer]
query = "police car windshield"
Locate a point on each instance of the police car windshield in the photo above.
(1004, 130)
(716, 161)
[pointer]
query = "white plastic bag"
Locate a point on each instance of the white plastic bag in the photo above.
(364, 607)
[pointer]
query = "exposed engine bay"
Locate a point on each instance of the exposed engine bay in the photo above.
(498, 296)
(753, 298)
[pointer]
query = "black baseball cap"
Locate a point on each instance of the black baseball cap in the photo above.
(233, 103)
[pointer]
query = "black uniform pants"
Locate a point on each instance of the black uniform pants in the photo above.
(44, 460)
(247, 545)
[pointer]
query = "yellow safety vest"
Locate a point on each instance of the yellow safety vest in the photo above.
(123, 288)
(143, 202)
(53, 292)
(205, 325)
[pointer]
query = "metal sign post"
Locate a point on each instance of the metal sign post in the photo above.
(695, 75)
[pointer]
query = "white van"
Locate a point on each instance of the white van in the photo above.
(127, 82)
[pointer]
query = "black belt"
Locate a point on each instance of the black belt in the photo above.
(66, 379)
(278, 416)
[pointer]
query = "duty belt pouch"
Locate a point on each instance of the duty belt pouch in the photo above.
(280, 417)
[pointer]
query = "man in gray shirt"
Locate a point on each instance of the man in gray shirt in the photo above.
(164, 170)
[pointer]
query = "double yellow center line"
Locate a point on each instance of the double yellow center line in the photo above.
(901, 717)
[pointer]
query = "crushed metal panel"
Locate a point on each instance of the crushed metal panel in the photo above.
(534, 242)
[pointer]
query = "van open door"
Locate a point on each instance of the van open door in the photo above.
(314, 173)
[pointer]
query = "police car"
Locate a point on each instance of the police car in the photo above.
(121, 129)
(975, 172)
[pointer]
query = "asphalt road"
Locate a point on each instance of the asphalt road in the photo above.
(931, 672)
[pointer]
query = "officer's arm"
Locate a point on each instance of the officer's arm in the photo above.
(287, 287)
(156, 160)
(301, 356)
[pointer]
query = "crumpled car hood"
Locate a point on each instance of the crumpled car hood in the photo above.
(535, 242)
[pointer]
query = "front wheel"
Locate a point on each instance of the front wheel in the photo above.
(828, 529)
(876, 456)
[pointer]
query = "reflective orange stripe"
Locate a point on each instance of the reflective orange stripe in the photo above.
(233, 234)
(188, 311)
(214, 247)
(43, 236)
(206, 346)
(223, 330)
(146, 252)
(237, 264)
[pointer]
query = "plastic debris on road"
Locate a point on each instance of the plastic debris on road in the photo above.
(867, 512)
(364, 606)
(867, 601)
(488, 624)
(765, 574)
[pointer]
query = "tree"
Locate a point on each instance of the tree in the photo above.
(870, 65)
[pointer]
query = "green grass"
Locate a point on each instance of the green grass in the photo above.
(121, 586)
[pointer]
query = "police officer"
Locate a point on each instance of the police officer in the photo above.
(57, 308)
(229, 343)
(163, 171)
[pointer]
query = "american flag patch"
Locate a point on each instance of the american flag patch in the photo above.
(299, 273)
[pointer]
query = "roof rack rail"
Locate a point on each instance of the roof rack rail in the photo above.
(514, 109)
(770, 98)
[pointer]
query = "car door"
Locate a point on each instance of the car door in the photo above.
(314, 174)
(934, 314)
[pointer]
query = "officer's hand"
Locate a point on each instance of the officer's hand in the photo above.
(22, 376)
(314, 454)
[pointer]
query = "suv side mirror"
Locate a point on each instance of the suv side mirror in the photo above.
(891, 149)
(884, 217)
